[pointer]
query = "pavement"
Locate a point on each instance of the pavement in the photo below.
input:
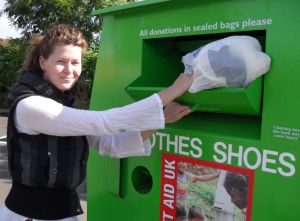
(5, 179)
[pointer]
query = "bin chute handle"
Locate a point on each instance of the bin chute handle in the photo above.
(194, 107)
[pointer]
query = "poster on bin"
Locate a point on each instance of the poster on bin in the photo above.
(193, 189)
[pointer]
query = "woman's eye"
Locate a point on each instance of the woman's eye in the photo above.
(75, 62)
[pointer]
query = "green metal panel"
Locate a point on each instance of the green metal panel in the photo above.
(140, 50)
(127, 7)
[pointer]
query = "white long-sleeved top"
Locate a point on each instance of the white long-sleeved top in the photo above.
(114, 132)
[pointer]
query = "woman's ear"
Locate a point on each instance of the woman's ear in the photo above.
(42, 61)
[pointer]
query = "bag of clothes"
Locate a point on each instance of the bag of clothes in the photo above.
(234, 61)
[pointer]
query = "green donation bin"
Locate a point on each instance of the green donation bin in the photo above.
(248, 136)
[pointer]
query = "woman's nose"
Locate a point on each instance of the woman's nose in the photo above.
(68, 68)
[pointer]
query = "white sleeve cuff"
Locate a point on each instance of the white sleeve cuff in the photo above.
(127, 144)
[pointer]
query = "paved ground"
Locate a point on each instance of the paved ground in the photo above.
(5, 180)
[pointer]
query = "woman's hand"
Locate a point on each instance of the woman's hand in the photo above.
(174, 112)
(180, 85)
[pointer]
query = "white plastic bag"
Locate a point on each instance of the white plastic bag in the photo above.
(234, 61)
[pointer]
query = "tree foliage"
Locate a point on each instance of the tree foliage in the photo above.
(11, 58)
(36, 16)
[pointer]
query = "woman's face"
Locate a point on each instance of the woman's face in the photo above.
(63, 67)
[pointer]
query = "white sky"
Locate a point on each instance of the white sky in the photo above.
(6, 31)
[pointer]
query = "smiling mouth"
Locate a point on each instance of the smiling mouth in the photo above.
(67, 79)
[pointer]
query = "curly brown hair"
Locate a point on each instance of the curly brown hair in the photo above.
(43, 45)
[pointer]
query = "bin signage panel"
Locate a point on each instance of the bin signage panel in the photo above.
(203, 27)
(172, 192)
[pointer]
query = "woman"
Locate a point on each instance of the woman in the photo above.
(48, 139)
